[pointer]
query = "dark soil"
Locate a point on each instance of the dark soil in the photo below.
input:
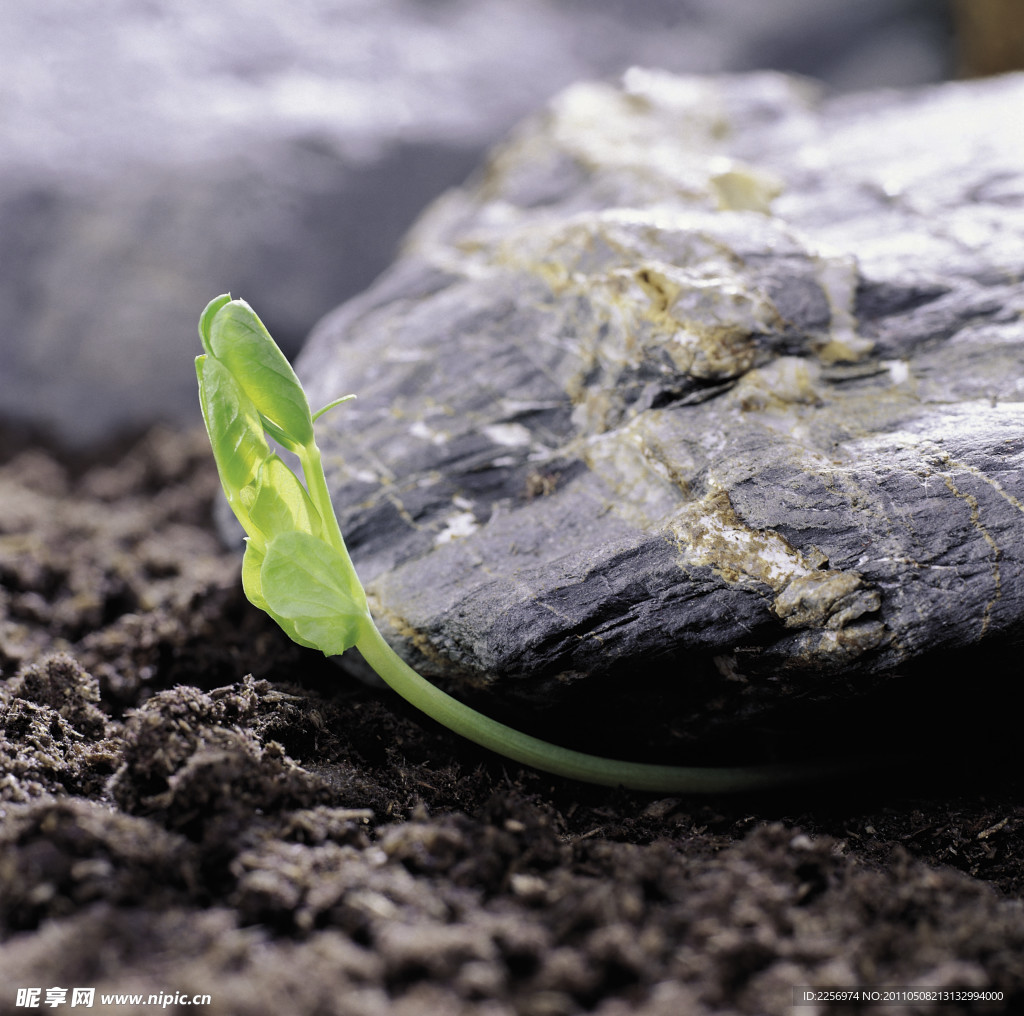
(190, 803)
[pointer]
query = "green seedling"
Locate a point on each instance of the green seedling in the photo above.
(297, 567)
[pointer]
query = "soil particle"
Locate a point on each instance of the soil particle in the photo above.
(190, 803)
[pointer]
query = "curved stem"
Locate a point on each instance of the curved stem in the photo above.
(576, 765)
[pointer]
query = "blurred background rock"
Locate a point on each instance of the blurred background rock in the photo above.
(155, 153)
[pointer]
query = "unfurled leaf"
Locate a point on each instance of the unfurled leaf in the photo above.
(280, 503)
(310, 584)
(237, 338)
(252, 583)
(236, 432)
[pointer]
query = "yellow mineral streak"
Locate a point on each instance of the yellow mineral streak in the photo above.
(709, 532)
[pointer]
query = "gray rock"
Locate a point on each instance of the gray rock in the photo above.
(699, 377)
(155, 154)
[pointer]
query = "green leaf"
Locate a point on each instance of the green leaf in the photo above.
(281, 504)
(237, 338)
(207, 317)
(236, 432)
(312, 586)
(251, 584)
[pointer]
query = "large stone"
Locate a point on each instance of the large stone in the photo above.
(702, 378)
(155, 154)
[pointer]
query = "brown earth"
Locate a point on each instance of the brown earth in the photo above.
(190, 803)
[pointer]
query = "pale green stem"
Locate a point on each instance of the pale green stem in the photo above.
(576, 765)
(316, 484)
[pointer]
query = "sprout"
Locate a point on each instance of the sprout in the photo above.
(298, 570)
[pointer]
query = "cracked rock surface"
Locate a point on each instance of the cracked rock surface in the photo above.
(710, 379)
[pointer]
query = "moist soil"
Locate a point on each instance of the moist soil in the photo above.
(193, 805)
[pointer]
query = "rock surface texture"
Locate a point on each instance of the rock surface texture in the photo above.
(707, 378)
(155, 154)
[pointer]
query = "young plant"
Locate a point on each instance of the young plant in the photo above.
(297, 568)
